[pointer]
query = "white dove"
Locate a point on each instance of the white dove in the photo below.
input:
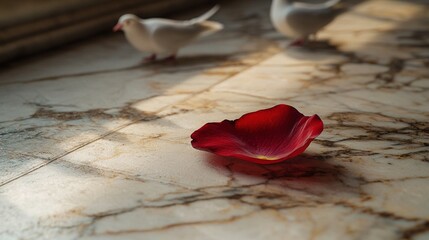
(299, 20)
(165, 36)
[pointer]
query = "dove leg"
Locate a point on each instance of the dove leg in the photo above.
(172, 57)
(150, 58)
(297, 42)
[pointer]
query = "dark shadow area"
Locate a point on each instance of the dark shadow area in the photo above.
(315, 45)
(188, 61)
(301, 168)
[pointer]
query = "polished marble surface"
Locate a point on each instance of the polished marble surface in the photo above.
(95, 145)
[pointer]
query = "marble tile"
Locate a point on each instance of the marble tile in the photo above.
(48, 137)
(358, 68)
(91, 194)
(95, 145)
(216, 210)
(284, 81)
(292, 57)
(281, 225)
(13, 165)
(138, 154)
(101, 54)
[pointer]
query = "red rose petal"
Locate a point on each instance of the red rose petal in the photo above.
(266, 136)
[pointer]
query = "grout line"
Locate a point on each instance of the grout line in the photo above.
(66, 153)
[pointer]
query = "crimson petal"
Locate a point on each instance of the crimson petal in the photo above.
(266, 136)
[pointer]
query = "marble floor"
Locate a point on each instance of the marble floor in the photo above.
(96, 145)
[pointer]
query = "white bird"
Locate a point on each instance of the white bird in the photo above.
(299, 20)
(165, 36)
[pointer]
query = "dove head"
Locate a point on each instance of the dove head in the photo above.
(126, 22)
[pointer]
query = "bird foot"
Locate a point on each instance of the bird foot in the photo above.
(297, 43)
(170, 58)
(151, 58)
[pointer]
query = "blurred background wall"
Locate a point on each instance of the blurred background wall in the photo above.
(32, 26)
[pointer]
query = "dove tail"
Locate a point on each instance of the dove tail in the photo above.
(210, 27)
(332, 3)
(327, 4)
(206, 15)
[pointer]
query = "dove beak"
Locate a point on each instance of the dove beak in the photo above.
(117, 27)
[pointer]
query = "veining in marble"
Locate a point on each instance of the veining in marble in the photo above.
(95, 145)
